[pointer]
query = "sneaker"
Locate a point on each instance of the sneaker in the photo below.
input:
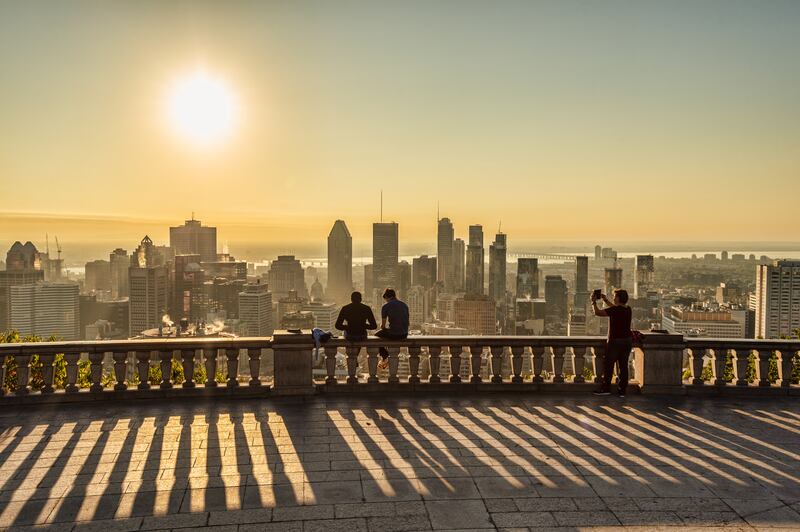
(600, 392)
(621, 395)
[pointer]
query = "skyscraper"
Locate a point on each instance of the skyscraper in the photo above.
(458, 265)
(444, 252)
(192, 238)
(255, 310)
(497, 268)
(581, 284)
(613, 279)
(46, 309)
(424, 271)
(644, 276)
(119, 264)
(476, 314)
(23, 266)
(527, 278)
(555, 295)
(385, 239)
(598, 252)
(148, 282)
(340, 263)
(188, 289)
(97, 276)
(285, 274)
(475, 261)
(403, 278)
(777, 299)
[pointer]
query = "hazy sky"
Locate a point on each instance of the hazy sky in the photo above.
(567, 120)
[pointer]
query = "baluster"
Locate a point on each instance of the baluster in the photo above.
(330, 365)
(413, 364)
(232, 362)
(763, 367)
(352, 364)
(632, 376)
(434, 358)
(372, 364)
(3, 363)
(48, 372)
(72, 371)
(697, 366)
(23, 374)
(496, 358)
(476, 354)
(599, 360)
(720, 356)
(516, 363)
(143, 367)
(96, 367)
(787, 366)
(210, 359)
(742, 358)
(254, 362)
(187, 358)
(394, 361)
(165, 363)
(120, 361)
(538, 363)
(558, 363)
(580, 363)
(455, 363)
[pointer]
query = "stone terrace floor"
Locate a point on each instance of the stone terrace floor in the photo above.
(403, 463)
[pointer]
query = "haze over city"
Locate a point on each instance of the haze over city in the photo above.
(547, 116)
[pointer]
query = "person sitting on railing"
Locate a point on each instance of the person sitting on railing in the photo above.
(355, 319)
(620, 342)
(396, 312)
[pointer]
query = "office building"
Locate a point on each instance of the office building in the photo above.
(403, 278)
(777, 306)
(419, 306)
(148, 281)
(225, 266)
(598, 252)
(325, 314)
(188, 289)
(290, 304)
(119, 262)
(459, 257)
(23, 266)
(577, 324)
(705, 322)
(192, 238)
(255, 310)
(476, 314)
(612, 280)
(529, 315)
(286, 274)
(474, 274)
(424, 271)
(527, 278)
(97, 275)
(297, 320)
(444, 254)
(385, 238)
(340, 263)
(581, 285)
(446, 307)
(497, 268)
(555, 295)
(46, 309)
(644, 280)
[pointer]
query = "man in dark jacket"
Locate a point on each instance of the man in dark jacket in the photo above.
(355, 319)
(396, 312)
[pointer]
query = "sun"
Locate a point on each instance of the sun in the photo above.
(202, 109)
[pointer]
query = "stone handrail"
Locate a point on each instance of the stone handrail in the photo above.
(432, 363)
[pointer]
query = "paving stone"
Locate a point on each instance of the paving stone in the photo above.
(500, 505)
(505, 487)
(333, 492)
(545, 504)
(458, 514)
(175, 521)
(303, 513)
(391, 490)
(289, 526)
(398, 523)
(582, 519)
(776, 517)
(746, 507)
(647, 518)
(365, 509)
(523, 519)
(451, 488)
(336, 525)
(114, 525)
(230, 517)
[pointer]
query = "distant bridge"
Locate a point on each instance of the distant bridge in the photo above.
(542, 256)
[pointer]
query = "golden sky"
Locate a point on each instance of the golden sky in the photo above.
(566, 120)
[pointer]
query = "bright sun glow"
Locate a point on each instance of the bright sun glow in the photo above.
(202, 109)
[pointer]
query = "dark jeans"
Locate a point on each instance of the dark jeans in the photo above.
(617, 352)
(385, 333)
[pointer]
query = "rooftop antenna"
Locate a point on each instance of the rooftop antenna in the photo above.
(381, 205)
(47, 243)
(437, 211)
(192, 215)
(500, 227)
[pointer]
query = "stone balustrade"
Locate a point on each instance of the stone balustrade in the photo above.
(97, 370)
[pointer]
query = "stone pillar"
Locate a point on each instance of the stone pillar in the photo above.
(663, 363)
(293, 363)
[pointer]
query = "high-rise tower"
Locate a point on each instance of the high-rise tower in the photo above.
(444, 252)
(385, 238)
(340, 262)
(475, 261)
(497, 268)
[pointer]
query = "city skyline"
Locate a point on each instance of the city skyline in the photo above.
(693, 100)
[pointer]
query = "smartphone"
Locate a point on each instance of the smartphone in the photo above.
(597, 293)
